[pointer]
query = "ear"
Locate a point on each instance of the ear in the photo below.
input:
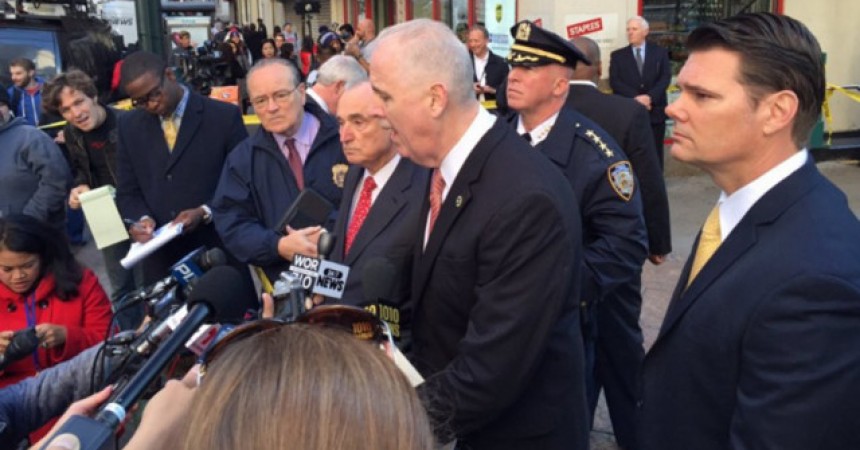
(169, 74)
(438, 99)
(339, 87)
(780, 110)
(560, 87)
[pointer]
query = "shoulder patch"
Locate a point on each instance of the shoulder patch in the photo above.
(598, 143)
(621, 179)
(338, 174)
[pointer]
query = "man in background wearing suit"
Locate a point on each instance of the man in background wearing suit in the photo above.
(759, 345)
(496, 328)
(379, 214)
(619, 339)
(491, 70)
(170, 151)
(641, 71)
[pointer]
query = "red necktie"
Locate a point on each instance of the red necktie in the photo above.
(360, 213)
(437, 186)
(295, 162)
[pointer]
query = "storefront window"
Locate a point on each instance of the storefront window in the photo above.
(672, 20)
(422, 9)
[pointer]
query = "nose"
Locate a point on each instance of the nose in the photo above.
(345, 134)
(673, 110)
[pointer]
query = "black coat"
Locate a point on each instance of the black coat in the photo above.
(495, 74)
(627, 121)
(388, 232)
(656, 75)
(159, 183)
(761, 350)
(496, 327)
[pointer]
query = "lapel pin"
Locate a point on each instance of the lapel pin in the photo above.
(459, 201)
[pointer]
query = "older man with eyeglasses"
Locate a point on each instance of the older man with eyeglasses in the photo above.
(170, 152)
(297, 147)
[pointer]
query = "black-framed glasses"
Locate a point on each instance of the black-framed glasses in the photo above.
(153, 93)
(360, 322)
(282, 98)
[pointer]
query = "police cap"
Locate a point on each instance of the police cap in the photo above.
(535, 46)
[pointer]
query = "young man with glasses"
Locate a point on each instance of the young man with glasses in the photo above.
(171, 149)
(296, 147)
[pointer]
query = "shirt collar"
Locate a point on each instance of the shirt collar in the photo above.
(384, 173)
(540, 132)
(455, 158)
(582, 83)
(734, 207)
(306, 134)
(318, 99)
(183, 102)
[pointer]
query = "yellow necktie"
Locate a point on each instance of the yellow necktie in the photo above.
(709, 241)
(170, 131)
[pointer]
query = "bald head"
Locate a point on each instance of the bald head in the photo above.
(366, 30)
(591, 51)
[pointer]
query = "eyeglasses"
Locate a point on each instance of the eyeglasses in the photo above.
(282, 98)
(152, 94)
(360, 322)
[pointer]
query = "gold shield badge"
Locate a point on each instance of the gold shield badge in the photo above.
(499, 13)
(338, 174)
(524, 31)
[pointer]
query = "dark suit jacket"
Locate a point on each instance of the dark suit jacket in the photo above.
(497, 322)
(656, 75)
(159, 183)
(388, 232)
(496, 72)
(761, 350)
(627, 121)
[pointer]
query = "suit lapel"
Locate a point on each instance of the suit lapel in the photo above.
(454, 205)
(389, 202)
(743, 238)
(557, 145)
(191, 120)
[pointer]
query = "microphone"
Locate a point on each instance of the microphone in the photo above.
(218, 295)
(184, 273)
(379, 279)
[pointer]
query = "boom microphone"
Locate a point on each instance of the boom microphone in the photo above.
(217, 295)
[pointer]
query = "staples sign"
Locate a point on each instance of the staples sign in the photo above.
(587, 27)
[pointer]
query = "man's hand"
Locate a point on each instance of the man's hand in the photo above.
(352, 48)
(84, 407)
(60, 138)
(303, 242)
(74, 196)
(657, 259)
(141, 231)
(645, 100)
(190, 219)
(51, 335)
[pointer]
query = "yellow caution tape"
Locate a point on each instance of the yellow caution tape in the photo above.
(249, 119)
(825, 108)
(264, 280)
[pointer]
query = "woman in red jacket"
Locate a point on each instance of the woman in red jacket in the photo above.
(43, 287)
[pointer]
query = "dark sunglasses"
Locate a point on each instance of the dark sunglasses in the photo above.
(154, 92)
(358, 321)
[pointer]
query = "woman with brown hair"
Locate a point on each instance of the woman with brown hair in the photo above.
(291, 387)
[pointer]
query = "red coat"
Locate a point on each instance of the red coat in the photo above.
(86, 317)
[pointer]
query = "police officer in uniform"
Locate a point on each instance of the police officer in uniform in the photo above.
(614, 234)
